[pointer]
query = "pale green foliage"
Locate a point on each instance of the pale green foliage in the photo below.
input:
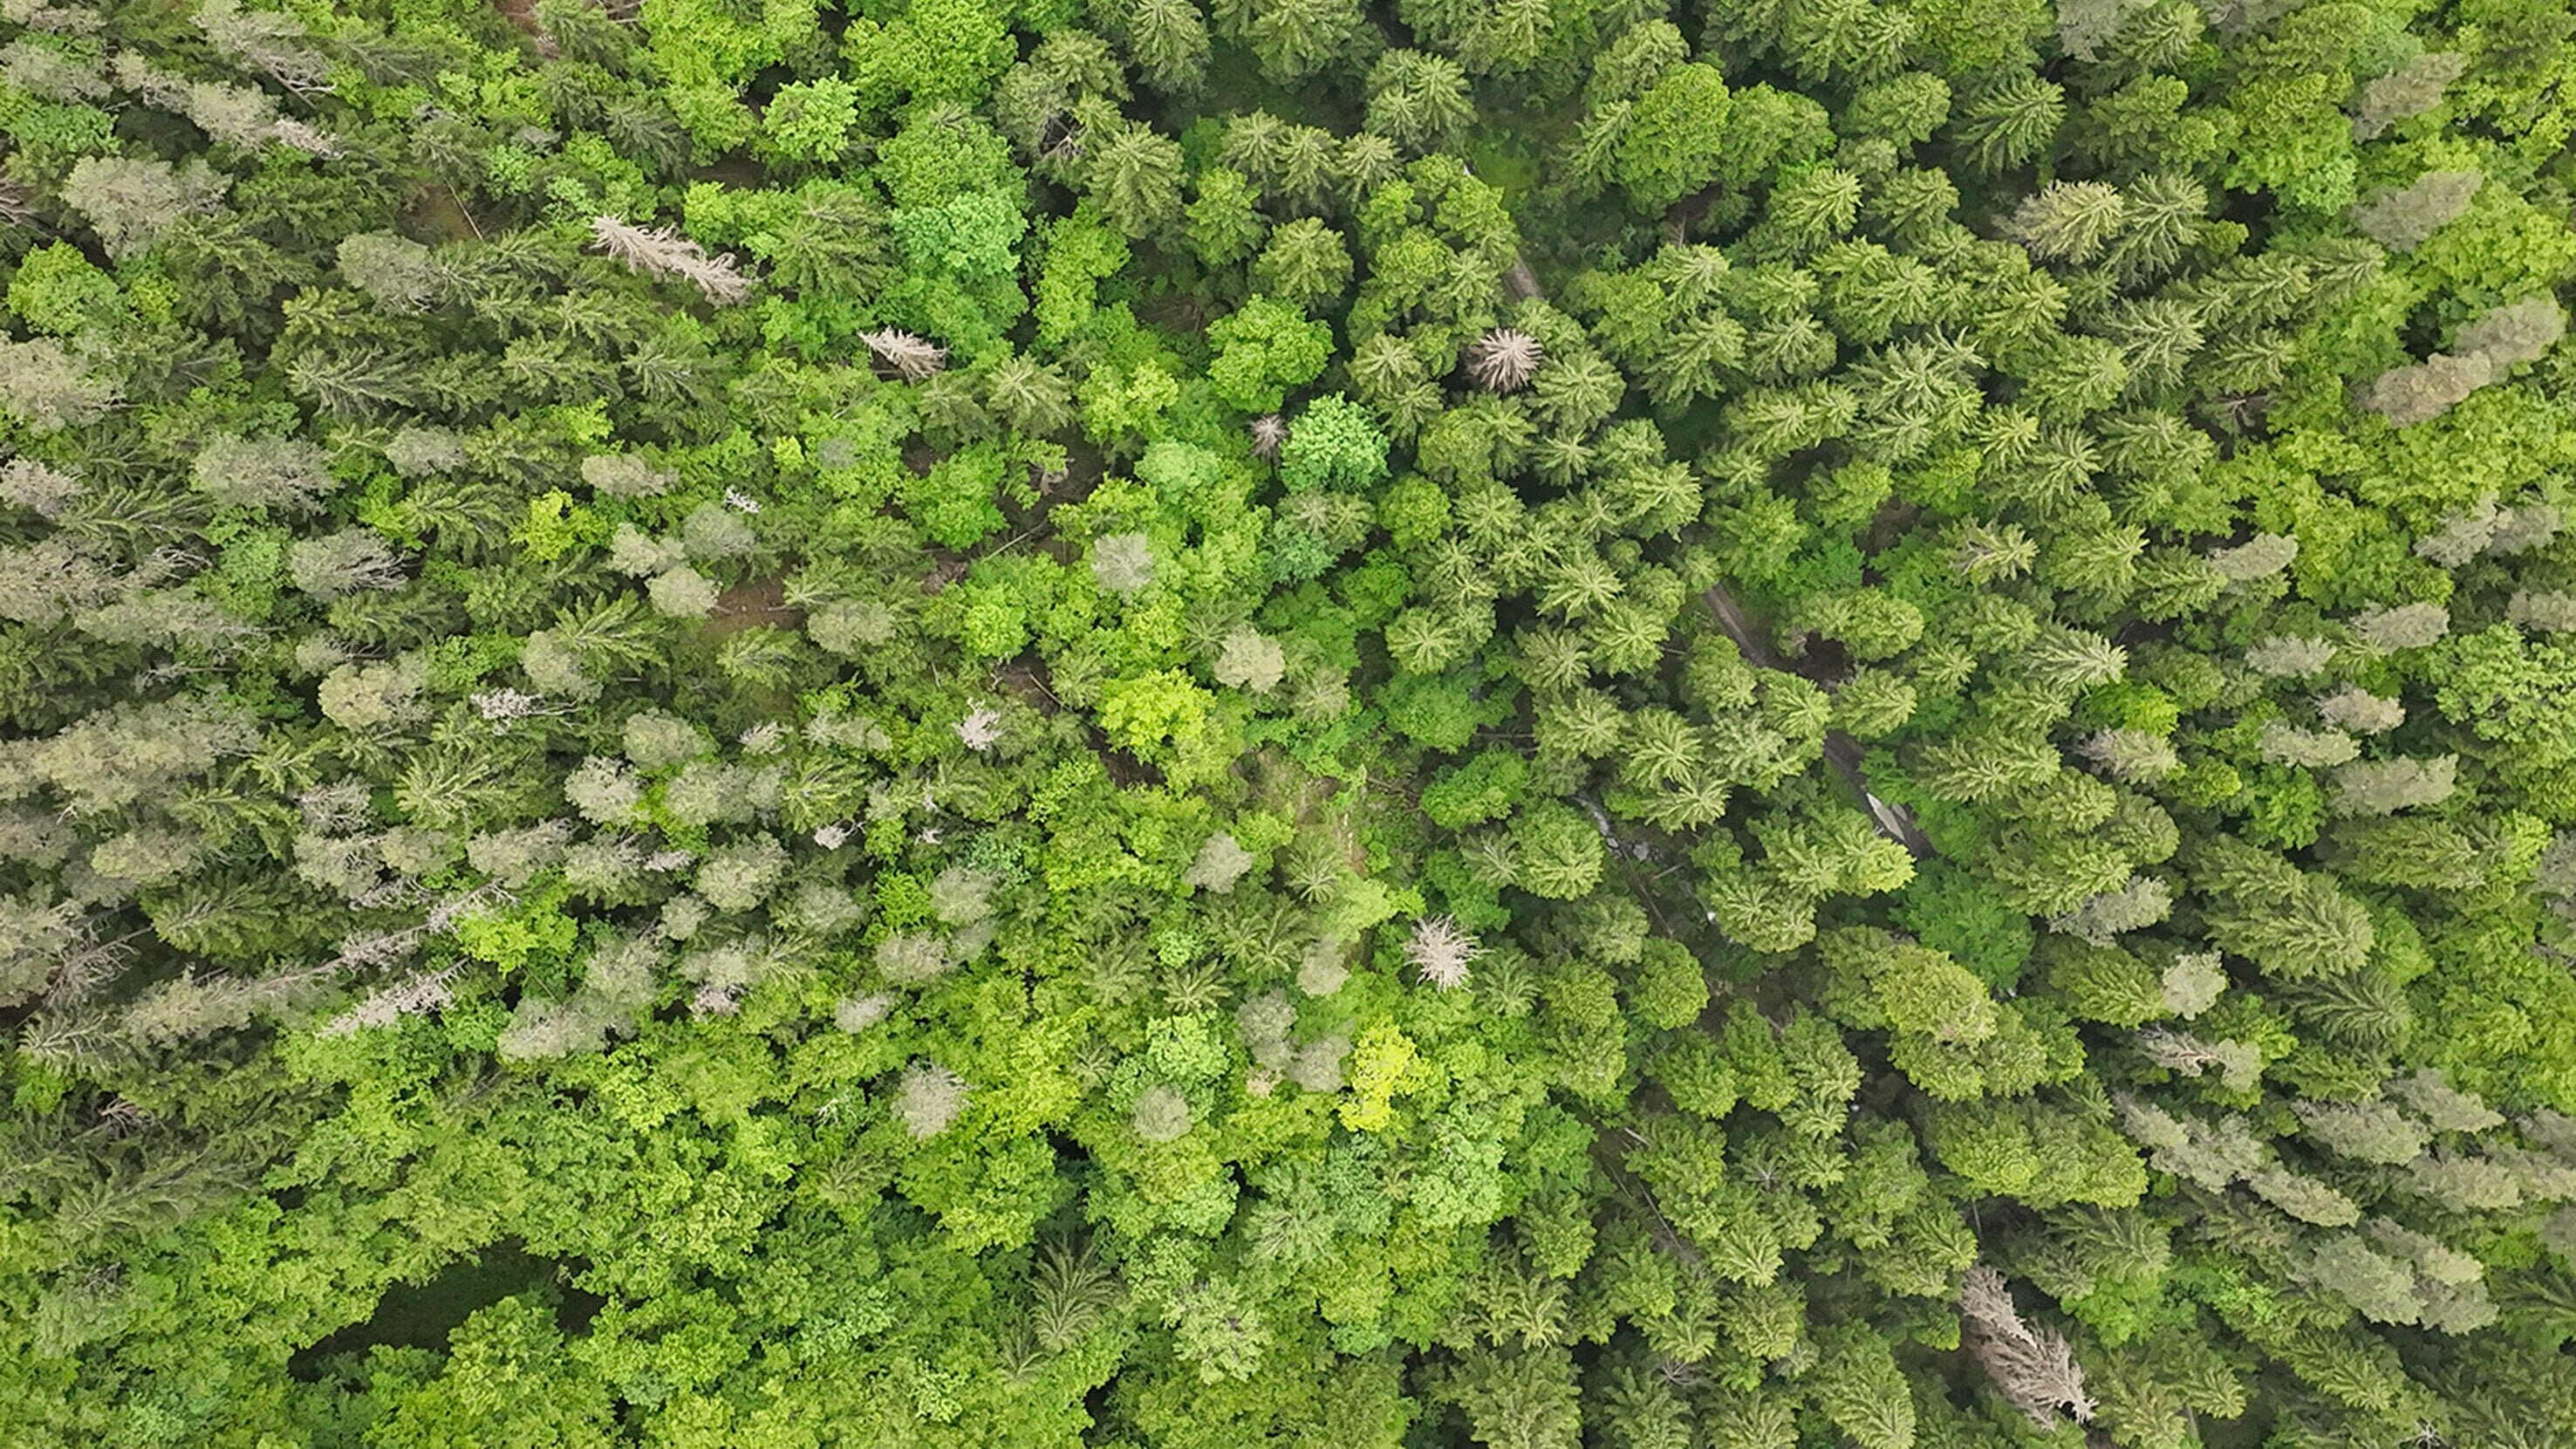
(928, 1099)
(2401, 218)
(739, 877)
(2367, 1131)
(375, 696)
(2356, 709)
(1162, 1114)
(396, 271)
(1220, 863)
(264, 473)
(131, 201)
(682, 593)
(343, 563)
(1250, 661)
(2193, 984)
(2382, 787)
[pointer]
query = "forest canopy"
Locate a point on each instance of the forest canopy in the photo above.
(1122, 723)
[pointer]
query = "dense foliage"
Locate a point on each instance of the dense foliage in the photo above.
(1502, 722)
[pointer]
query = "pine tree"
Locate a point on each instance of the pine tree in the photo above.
(1168, 40)
(1418, 101)
(1304, 264)
(2071, 221)
(1132, 173)
(2010, 123)
(1294, 39)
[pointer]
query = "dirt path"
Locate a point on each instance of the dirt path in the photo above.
(1841, 750)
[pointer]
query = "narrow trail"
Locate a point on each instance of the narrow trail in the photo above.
(1841, 750)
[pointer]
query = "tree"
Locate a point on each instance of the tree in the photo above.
(1521, 1400)
(1224, 222)
(1168, 41)
(342, 563)
(2381, 787)
(1294, 39)
(396, 271)
(1419, 101)
(663, 252)
(2488, 349)
(1251, 662)
(1859, 1388)
(131, 202)
(1333, 444)
(1264, 349)
(2010, 122)
(1505, 359)
(47, 389)
(1304, 264)
(914, 359)
(1132, 173)
(2035, 1369)
(2402, 218)
(1556, 852)
(2293, 926)
(2410, 90)
(929, 1099)
(1440, 952)
(263, 473)
(1674, 136)
(2071, 221)
(1162, 1114)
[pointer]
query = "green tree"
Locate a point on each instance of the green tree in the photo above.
(1419, 101)
(1264, 349)
(1673, 140)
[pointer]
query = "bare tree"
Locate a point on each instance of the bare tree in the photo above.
(914, 359)
(981, 729)
(416, 996)
(1505, 359)
(268, 41)
(1441, 951)
(2034, 1368)
(663, 252)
